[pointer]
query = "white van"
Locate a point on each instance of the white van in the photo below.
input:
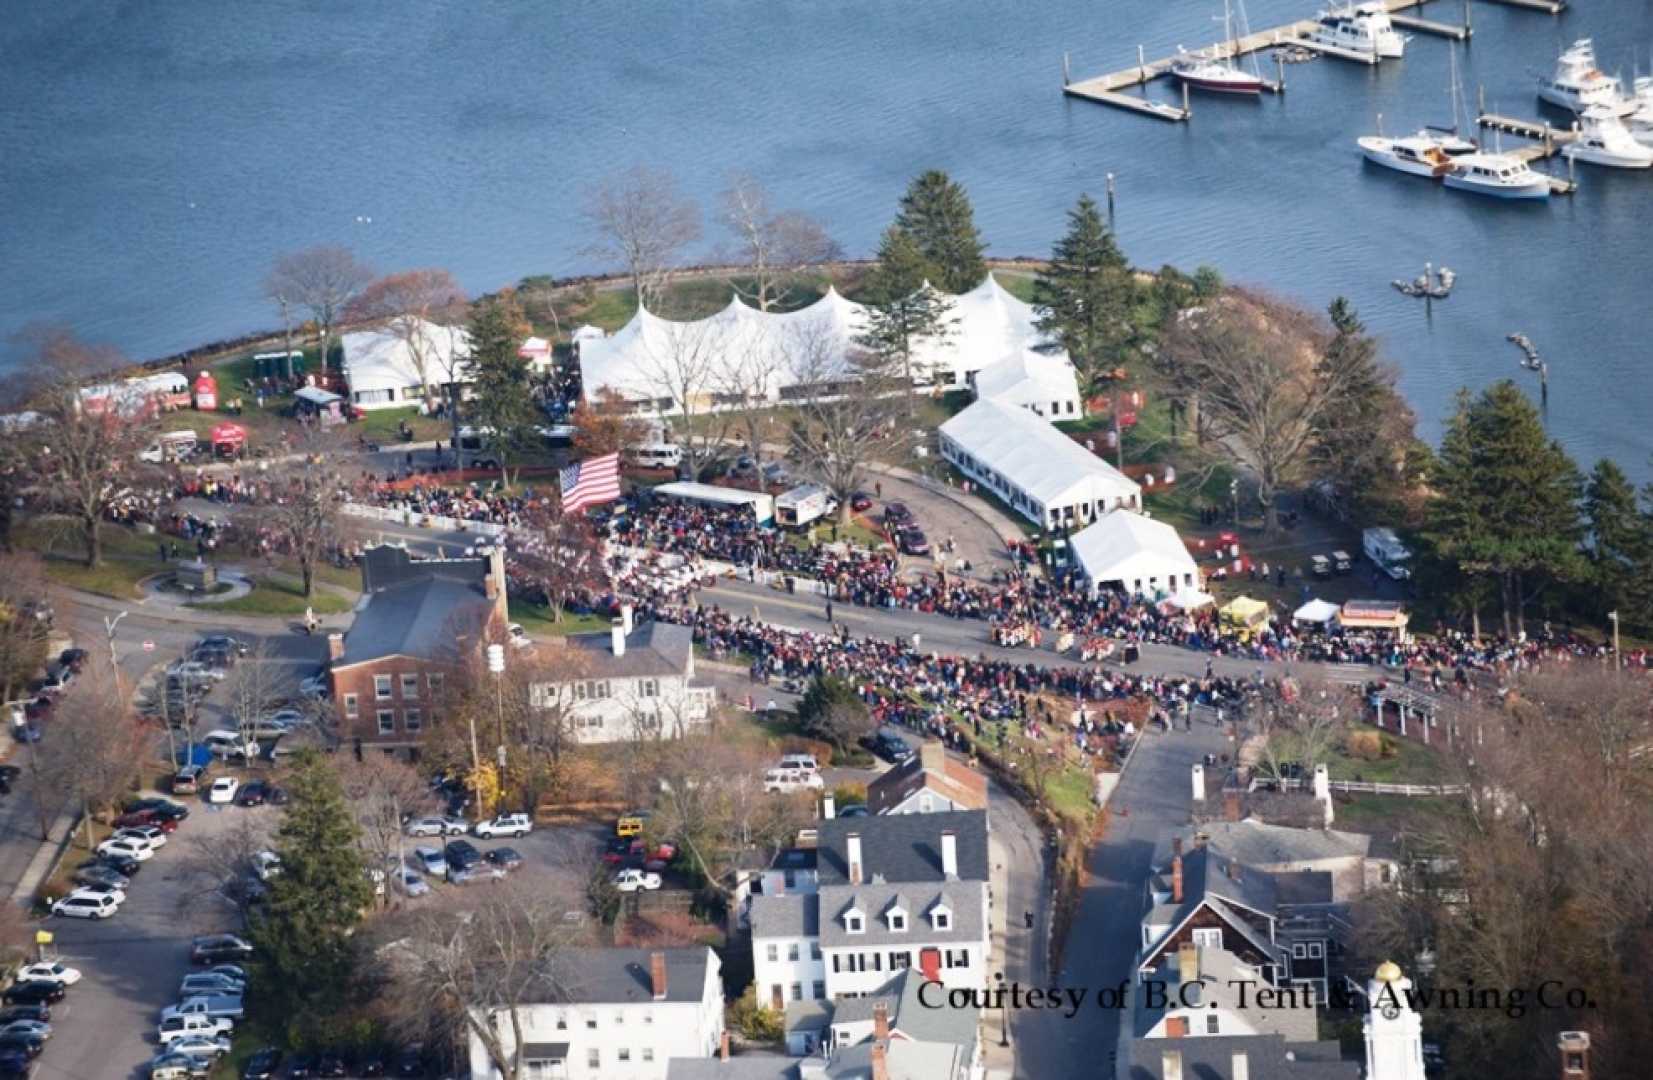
(172, 446)
(655, 456)
(786, 781)
(805, 762)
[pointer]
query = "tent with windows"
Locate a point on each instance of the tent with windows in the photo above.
(381, 371)
(1034, 379)
(1143, 556)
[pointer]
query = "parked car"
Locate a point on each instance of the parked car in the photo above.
(218, 1006)
(517, 825)
(888, 745)
(461, 854)
(261, 1064)
(505, 858)
(631, 823)
(124, 865)
(175, 1027)
(897, 514)
(635, 852)
(430, 861)
(787, 781)
(860, 501)
(205, 982)
(229, 744)
(33, 992)
(408, 882)
(24, 1043)
(223, 789)
(266, 864)
(316, 686)
(633, 880)
(330, 1065)
(163, 809)
(153, 835)
(912, 541)
(78, 905)
(188, 671)
(224, 641)
(234, 971)
(127, 847)
(474, 874)
(214, 948)
(50, 971)
(252, 793)
(438, 825)
(40, 1012)
(38, 1029)
(207, 1047)
(100, 873)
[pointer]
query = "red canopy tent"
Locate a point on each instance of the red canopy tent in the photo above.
(228, 439)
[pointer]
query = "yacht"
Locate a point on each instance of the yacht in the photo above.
(1578, 84)
(1360, 28)
(1214, 72)
(1503, 176)
(1640, 120)
(1420, 154)
(1603, 139)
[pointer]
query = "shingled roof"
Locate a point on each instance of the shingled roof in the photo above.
(932, 767)
(902, 847)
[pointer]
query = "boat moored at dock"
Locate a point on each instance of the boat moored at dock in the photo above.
(1603, 139)
(1501, 176)
(1361, 28)
(1577, 84)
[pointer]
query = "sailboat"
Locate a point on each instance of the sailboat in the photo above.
(1212, 71)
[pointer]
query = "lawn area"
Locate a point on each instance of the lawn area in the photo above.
(127, 557)
(379, 425)
(1393, 814)
(281, 595)
(536, 621)
(1408, 761)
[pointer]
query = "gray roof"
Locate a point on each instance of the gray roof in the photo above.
(963, 899)
(908, 1015)
(1218, 983)
(1207, 874)
(619, 976)
(387, 565)
(810, 1014)
(419, 618)
(904, 1061)
(1258, 843)
(903, 847)
(792, 916)
(1268, 1057)
(652, 648)
(738, 1067)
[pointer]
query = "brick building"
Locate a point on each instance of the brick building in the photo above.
(420, 623)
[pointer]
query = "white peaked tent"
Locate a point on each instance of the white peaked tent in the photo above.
(1034, 379)
(380, 371)
(1316, 611)
(1143, 556)
(740, 350)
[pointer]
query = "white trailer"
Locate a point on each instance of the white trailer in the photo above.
(1384, 548)
(803, 504)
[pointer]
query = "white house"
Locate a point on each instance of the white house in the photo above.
(872, 930)
(932, 781)
(1140, 555)
(382, 372)
(615, 1014)
(634, 681)
(1034, 379)
(787, 963)
(1040, 472)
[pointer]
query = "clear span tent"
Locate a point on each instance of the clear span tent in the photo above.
(742, 352)
(380, 371)
(1032, 378)
(1316, 611)
(1043, 474)
(1244, 611)
(1143, 556)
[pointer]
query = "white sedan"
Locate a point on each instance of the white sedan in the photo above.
(633, 880)
(223, 790)
(200, 1046)
(128, 847)
(50, 971)
(408, 881)
(149, 834)
(442, 825)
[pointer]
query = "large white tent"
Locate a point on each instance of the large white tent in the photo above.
(1144, 556)
(1034, 379)
(740, 354)
(379, 366)
(1043, 474)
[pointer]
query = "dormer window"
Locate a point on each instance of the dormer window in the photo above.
(941, 917)
(898, 921)
(855, 922)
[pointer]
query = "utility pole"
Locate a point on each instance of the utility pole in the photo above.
(1614, 615)
(496, 665)
(109, 625)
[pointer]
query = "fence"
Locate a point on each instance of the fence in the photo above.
(413, 519)
(1366, 787)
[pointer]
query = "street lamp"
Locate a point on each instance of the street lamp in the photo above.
(496, 665)
(109, 625)
(1615, 617)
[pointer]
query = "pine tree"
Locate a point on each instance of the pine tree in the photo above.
(502, 382)
(902, 311)
(1621, 544)
(1084, 294)
(1363, 443)
(303, 939)
(1507, 505)
(936, 213)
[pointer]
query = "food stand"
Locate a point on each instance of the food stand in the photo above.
(1244, 614)
(228, 440)
(1374, 615)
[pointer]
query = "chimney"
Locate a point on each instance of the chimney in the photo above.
(881, 1022)
(880, 1067)
(657, 974)
(1188, 962)
(625, 618)
(335, 647)
(932, 757)
(1231, 804)
(1176, 845)
(617, 635)
(1176, 879)
(853, 844)
(1170, 1065)
(1575, 1055)
(723, 1046)
(1233, 870)
(949, 856)
(1239, 1067)
(829, 806)
(1199, 782)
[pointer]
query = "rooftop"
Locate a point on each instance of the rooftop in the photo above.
(963, 900)
(652, 648)
(619, 976)
(1259, 843)
(1267, 1057)
(1034, 456)
(932, 767)
(794, 915)
(903, 847)
(418, 618)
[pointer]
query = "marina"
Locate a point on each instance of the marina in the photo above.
(1547, 142)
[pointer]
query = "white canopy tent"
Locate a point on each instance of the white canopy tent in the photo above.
(1144, 556)
(1034, 379)
(1043, 474)
(379, 366)
(741, 354)
(1316, 611)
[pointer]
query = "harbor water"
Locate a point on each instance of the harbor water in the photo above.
(157, 156)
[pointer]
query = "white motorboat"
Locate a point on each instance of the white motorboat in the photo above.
(1214, 71)
(1640, 120)
(1360, 27)
(1502, 176)
(1419, 154)
(1578, 84)
(1603, 139)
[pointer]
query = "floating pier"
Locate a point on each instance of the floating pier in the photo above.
(1439, 29)
(1548, 142)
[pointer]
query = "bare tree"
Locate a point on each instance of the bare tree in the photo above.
(23, 636)
(84, 449)
(771, 246)
(563, 558)
(322, 280)
(683, 365)
(849, 418)
(485, 966)
(750, 371)
(223, 861)
(253, 689)
(92, 757)
(416, 307)
(383, 792)
(1303, 730)
(1263, 394)
(303, 514)
(644, 223)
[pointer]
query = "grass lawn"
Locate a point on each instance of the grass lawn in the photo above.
(274, 595)
(1410, 763)
(1392, 814)
(127, 557)
(379, 425)
(536, 621)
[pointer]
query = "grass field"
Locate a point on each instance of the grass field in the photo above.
(279, 595)
(536, 621)
(1411, 762)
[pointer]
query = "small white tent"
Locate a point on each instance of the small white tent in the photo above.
(1316, 611)
(1144, 556)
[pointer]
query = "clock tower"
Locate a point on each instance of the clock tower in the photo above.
(1394, 1032)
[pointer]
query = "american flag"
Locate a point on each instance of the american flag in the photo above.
(587, 483)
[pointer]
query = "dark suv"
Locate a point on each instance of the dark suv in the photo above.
(461, 855)
(217, 948)
(889, 746)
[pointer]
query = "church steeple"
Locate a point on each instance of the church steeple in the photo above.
(1394, 1032)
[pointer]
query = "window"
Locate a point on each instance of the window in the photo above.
(648, 1053)
(901, 960)
(410, 686)
(924, 803)
(410, 719)
(350, 709)
(898, 921)
(624, 1053)
(1212, 1025)
(817, 990)
(815, 950)
(792, 951)
(957, 958)
(562, 1022)
(648, 1018)
(387, 722)
(591, 1023)
(853, 924)
(434, 681)
(941, 919)
(1316, 951)
(619, 1019)
(596, 689)
(797, 992)
(835, 959)
(593, 1058)
(1208, 939)
(774, 952)
(1299, 952)
(648, 687)
(381, 688)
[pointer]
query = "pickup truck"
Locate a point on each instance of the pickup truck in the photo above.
(214, 1006)
(178, 1027)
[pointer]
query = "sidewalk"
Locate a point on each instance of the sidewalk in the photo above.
(45, 858)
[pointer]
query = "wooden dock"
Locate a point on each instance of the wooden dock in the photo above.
(1548, 7)
(1547, 142)
(1430, 26)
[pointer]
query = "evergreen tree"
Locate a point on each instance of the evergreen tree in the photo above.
(1362, 446)
(304, 941)
(1507, 499)
(902, 311)
(502, 382)
(936, 213)
(1084, 295)
(1621, 544)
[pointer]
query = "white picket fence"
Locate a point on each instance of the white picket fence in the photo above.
(413, 519)
(1367, 787)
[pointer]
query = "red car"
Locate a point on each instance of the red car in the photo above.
(621, 851)
(135, 818)
(860, 501)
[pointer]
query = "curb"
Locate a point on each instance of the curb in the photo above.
(47, 859)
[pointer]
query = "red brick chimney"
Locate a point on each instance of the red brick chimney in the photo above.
(881, 1022)
(880, 1067)
(1231, 804)
(657, 974)
(723, 1046)
(335, 647)
(1176, 879)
